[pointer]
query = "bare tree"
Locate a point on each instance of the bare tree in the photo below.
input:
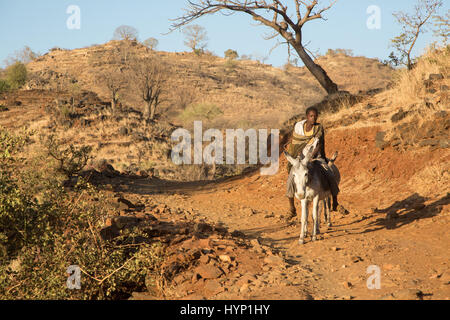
(149, 75)
(442, 26)
(24, 55)
(114, 77)
(273, 14)
(151, 43)
(196, 37)
(125, 32)
(114, 81)
(412, 26)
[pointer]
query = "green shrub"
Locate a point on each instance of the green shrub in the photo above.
(71, 159)
(200, 111)
(4, 86)
(16, 75)
(39, 240)
(231, 54)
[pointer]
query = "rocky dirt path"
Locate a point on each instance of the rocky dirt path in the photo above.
(404, 235)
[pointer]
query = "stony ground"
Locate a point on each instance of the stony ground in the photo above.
(241, 247)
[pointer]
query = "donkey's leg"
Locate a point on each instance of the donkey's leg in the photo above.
(315, 218)
(304, 220)
(328, 212)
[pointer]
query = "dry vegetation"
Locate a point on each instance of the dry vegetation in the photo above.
(63, 99)
(242, 89)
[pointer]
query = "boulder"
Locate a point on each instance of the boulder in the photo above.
(208, 271)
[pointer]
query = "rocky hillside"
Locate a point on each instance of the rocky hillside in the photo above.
(246, 91)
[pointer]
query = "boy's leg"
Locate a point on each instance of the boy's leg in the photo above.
(290, 191)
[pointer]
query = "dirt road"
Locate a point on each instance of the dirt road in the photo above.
(389, 225)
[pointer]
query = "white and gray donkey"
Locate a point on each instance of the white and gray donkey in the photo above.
(308, 187)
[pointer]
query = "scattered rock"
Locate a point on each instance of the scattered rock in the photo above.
(225, 258)
(379, 140)
(342, 210)
(238, 234)
(435, 76)
(356, 259)
(203, 228)
(142, 296)
(208, 271)
(123, 131)
(109, 233)
(429, 142)
(123, 222)
(244, 288)
(399, 116)
(347, 285)
(247, 211)
(274, 260)
(444, 143)
(213, 287)
(445, 278)
(408, 294)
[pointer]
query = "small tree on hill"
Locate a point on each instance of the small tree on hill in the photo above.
(151, 43)
(114, 81)
(231, 54)
(412, 26)
(149, 76)
(16, 75)
(125, 32)
(24, 55)
(196, 38)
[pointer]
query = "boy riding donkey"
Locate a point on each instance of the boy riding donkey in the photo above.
(305, 132)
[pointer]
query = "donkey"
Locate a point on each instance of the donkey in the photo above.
(308, 187)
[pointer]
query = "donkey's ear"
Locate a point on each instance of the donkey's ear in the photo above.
(307, 152)
(291, 160)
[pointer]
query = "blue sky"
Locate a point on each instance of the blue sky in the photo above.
(41, 25)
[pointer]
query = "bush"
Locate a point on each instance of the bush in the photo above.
(39, 240)
(16, 75)
(4, 86)
(71, 160)
(231, 54)
(346, 52)
(200, 111)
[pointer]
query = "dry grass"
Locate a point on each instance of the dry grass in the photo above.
(410, 86)
(244, 90)
(432, 180)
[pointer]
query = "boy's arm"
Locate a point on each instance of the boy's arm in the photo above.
(321, 145)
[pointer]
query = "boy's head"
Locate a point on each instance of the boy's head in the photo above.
(311, 115)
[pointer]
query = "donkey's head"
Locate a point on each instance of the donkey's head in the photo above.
(300, 167)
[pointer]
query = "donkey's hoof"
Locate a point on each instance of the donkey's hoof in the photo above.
(314, 238)
(329, 225)
(301, 241)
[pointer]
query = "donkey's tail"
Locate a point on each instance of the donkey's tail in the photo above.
(333, 158)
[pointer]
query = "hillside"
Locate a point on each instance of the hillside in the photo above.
(247, 92)
(228, 238)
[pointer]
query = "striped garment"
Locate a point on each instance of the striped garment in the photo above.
(300, 139)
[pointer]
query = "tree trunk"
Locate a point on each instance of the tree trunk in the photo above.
(317, 71)
(150, 110)
(409, 64)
